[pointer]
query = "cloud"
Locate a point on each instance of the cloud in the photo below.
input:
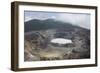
(82, 20)
(53, 17)
(28, 18)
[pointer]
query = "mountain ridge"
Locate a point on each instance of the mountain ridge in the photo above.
(36, 24)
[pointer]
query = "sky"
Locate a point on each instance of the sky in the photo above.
(79, 19)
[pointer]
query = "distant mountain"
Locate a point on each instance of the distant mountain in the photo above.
(36, 24)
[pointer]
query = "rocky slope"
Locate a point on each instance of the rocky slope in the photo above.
(38, 34)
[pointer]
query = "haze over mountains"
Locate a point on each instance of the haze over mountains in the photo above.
(79, 19)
